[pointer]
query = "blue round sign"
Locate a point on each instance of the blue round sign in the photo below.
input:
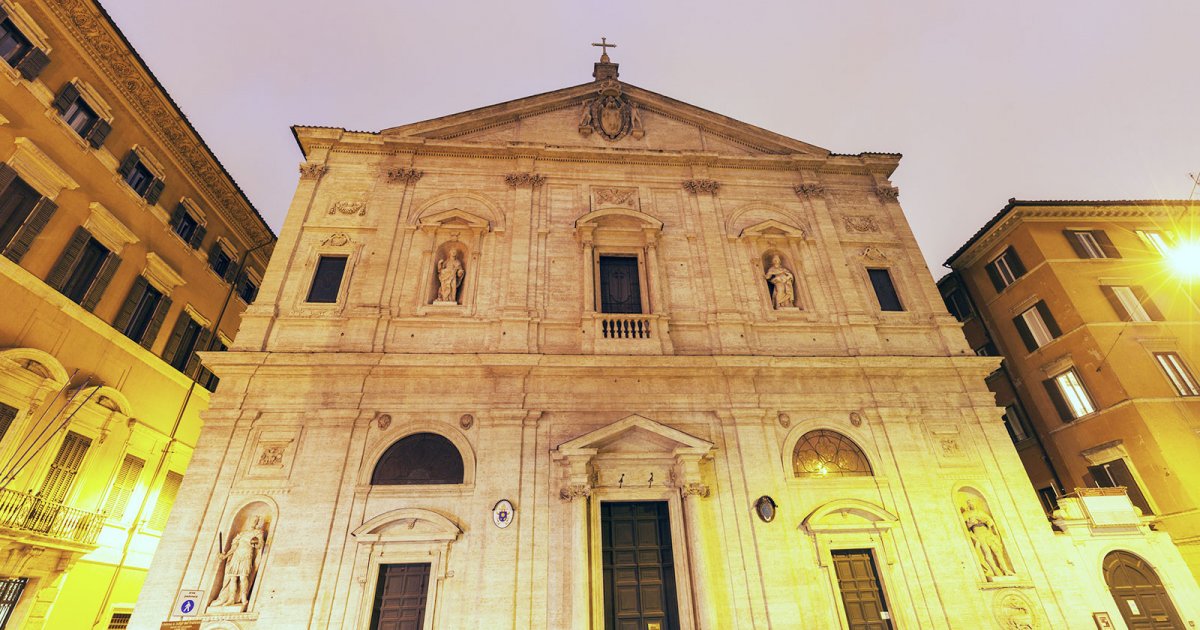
(187, 606)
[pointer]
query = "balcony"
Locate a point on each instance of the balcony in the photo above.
(620, 333)
(29, 514)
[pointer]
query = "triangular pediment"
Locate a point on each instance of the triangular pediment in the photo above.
(561, 119)
(635, 434)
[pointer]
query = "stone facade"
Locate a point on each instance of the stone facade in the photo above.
(474, 306)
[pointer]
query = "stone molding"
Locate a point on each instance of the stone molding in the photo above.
(108, 229)
(694, 489)
(162, 275)
(39, 170)
(520, 179)
(697, 186)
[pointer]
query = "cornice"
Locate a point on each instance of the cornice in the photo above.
(119, 63)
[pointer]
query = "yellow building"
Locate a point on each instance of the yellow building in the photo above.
(1099, 340)
(122, 236)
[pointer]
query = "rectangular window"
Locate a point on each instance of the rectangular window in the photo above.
(1131, 303)
(247, 290)
(1036, 326)
(1180, 376)
(988, 349)
(13, 44)
(86, 269)
(1069, 396)
(139, 179)
(164, 502)
(219, 260)
(185, 228)
(1091, 244)
(80, 116)
(1014, 421)
(65, 467)
(10, 595)
(17, 201)
(143, 313)
(1158, 241)
(123, 486)
(1116, 474)
(885, 290)
(186, 344)
(1005, 269)
(207, 379)
(327, 281)
(119, 621)
(1049, 499)
(958, 304)
(620, 285)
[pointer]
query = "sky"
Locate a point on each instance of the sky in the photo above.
(1033, 99)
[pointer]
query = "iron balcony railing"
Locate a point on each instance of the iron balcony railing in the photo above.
(26, 512)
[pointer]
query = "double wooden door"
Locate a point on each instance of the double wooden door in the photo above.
(400, 597)
(1140, 595)
(639, 568)
(862, 592)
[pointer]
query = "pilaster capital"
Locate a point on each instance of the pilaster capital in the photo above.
(573, 491)
(312, 170)
(694, 490)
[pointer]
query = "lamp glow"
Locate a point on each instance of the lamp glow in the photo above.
(1184, 259)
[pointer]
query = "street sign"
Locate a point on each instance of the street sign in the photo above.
(188, 603)
(191, 624)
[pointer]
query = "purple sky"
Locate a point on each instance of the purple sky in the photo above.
(1028, 99)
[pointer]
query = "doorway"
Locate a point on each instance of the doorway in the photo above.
(862, 592)
(400, 597)
(638, 566)
(1140, 595)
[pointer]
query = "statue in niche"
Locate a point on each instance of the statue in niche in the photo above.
(985, 539)
(782, 283)
(241, 566)
(450, 273)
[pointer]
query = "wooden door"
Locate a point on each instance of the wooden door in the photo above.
(639, 569)
(862, 593)
(1140, 595)
(620, 287)
(400, 597)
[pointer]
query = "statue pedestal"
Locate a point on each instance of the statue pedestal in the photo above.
(226, 609)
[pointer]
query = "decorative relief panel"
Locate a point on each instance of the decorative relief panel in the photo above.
(348, 207)
(809, 190)
(532, 180)
(701, 185)
(1015, 610)
(406, 175)
(860, 223)
(887, 193)
(949, 446)
(611, 114)
(274, 451)
(620, 197)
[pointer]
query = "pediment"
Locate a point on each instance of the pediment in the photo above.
(561, 119)
(453, 217)
(772, 227)
(635, 435)
(844, 515)
(410, 524)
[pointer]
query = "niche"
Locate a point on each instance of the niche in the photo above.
(241, 555)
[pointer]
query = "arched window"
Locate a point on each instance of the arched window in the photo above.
(419, 459)
(824, 453)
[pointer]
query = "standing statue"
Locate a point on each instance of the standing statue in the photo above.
(241, 565)
(985, 539)
(783, 291)
(449, 276)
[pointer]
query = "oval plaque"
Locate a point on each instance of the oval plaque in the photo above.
(765, 507)
(503, 513)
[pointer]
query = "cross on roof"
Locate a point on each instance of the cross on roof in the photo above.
(604, 46)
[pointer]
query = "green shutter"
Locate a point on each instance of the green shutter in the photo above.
(231, 270)
(38, 218)
(1106, 244)
(127, 165)
(1056, 397)
(1048, 319)
(154, 191)
(1026, 335)
(176, 337)
(97, 134)
(131, 302)
(66, 96)
(197, 237)
(66, 262)
(123, 487)
(103, 277)
(160, 313)
(178, 214)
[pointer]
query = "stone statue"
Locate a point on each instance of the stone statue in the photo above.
(241, 565)
(449, 275)
(985, 539)
(783, 291)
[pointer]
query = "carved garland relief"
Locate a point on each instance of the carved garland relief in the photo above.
(348, 207)
(701, 185)
(520, 179)
(860, 223)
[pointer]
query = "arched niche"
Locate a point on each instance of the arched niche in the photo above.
(453, 227)
(762, 232)
(244, 540)
(397, 432)
(988, 541)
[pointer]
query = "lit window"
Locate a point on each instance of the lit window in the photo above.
(824, 453)
(1036, 326)
(1157, 241)
(1005, 269)
(1131, 303)
(1069, 396)
(1179, 375)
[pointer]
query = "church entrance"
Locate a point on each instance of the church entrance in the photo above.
(1140, 595)
(400, 597)
(862, 592)
(639, 568)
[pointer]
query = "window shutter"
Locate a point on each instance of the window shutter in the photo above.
(66, 465)
(231, 270)
(1115, 303)
(66, 96)
(1106, 244)
(1026, 335)
(176, 337)
(32, 64)
(1056, 397)
(131, 302)
(197, 237)
(1147, 304)
(1014, 262)
(38, 218)
(213, 252)
(194, 360)
(994, 275)
(178, 214)
(62, 268)
(160, 313)
(1048, 319)
(154, 191)
(7, 415)
(7, 175)
(1120, 474)
(1073, 239)
(96, 291)
(166, 499)
(123, 486)
(131, 160)
(98, 133)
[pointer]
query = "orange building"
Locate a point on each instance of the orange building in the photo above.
(1099, 338)
(121, 238)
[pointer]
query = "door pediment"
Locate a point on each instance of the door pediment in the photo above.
(635, 435)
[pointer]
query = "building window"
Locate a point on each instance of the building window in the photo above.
(219, 260)
(885, 290)
(1116, 474)
(1091, 244)
(1069, 396)
(21, 54)
(620, 285)
(142, 315)
(1132, 303)
(1180, 376)
(823, 453)
(1017, 425)
(207, 379)
(1160, 242)
(1005, 269)
(119, 620)
(164, 502)
(80, 116)
(419, 459)
(63, 470)
(327, 281)
(10, 595)
(187, 227)
(187, 337)
(84, 270)
(247, 290)
(1036, 326)
(988, 349)
(958, 304)
(17, 201)
(123, 486)
(1049, 498)
(141, 179)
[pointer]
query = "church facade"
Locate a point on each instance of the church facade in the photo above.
(598, 358)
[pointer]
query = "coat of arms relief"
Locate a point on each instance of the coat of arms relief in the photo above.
(611, 113)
